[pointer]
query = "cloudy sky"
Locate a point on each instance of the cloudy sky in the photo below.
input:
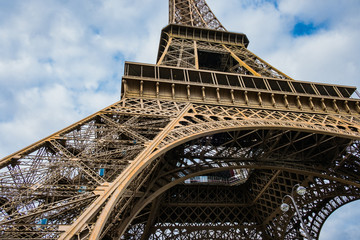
(61, 60)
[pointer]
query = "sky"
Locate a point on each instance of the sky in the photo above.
(62, 60)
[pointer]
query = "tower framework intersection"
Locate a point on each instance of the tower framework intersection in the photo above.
(204, 144)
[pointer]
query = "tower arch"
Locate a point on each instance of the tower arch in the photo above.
(313, 178)
(206, 142)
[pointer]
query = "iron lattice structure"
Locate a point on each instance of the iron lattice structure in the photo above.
(202, 145)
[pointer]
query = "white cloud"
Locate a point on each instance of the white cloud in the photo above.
(38, 112)
(324, 57)
(78, 45)
(318, 11)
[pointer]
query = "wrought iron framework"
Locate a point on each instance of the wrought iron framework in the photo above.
(203, 145)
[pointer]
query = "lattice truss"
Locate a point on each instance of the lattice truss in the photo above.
(156, 169)
(195, 13)
(244, 205)
(190, 53)
(180, 54)
(229, 210)
(250, 159)
(50, 183)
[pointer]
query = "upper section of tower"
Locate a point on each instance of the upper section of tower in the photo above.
(195, 13)
(196, 39)
(199, 61)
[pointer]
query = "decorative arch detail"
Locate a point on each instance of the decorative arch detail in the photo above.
(187, 133)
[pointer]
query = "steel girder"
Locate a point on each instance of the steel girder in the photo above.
(250, 210)
(274, 149)
(51, 182)
(246, 211)
(149, 167)
(183, 51)
(193, 13)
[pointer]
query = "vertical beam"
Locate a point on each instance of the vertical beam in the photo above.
(191, 14)
(196, 55)
(150, 222)
(172, 11)
(180, 54)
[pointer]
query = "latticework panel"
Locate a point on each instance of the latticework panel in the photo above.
(49, 184)
(250, 209)
(161, 169)
(181, 53)
(195, 13)
(163, 166)
(218, 56)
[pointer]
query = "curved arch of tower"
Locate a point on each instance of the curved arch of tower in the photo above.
(204, 144)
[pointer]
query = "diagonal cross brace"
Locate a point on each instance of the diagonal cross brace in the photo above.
(78, 162)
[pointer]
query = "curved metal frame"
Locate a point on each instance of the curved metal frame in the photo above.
(115, 198)
(61, 178)
(163, 189)
(158, 127)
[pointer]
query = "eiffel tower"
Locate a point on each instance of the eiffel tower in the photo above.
(204, 144)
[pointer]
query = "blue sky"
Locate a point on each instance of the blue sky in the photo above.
(62, 60)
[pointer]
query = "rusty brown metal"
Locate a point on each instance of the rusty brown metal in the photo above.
(204, 144)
